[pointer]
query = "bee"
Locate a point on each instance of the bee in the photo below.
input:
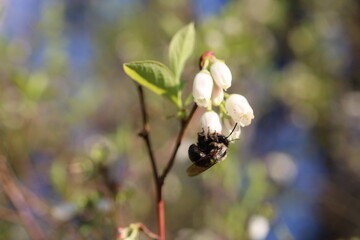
(210, 149)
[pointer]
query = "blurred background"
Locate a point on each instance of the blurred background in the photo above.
(73, 167)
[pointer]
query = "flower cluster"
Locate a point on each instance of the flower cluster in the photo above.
(208, 90)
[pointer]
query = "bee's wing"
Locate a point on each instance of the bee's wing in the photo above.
(194, 170)
(200, 166)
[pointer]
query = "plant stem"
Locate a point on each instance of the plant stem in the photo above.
(150, 234)
(158, 186)
(161, 217)
(145, 135)
(184, 125)
(159, 179)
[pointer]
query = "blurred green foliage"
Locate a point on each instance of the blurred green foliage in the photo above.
(73, 142)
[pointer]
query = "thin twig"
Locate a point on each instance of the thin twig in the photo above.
(145, 134)
(179, 139)
(158, 186)
(17, 198)
(8, 215)
(150, 234)
(37, 204)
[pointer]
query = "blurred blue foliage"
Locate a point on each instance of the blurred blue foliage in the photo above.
(296, 205)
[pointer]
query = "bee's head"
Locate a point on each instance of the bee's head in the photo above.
(223, 139)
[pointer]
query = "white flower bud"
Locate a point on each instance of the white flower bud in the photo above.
(239, 109)
(228, 127)
(210, 122)
(258, 227)
(202, 88)
(221, 74)
(217, 95)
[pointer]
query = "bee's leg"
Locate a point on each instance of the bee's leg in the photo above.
(219, 153)
(213, 137)
(214, 145)
(216, 139)
(201, 139)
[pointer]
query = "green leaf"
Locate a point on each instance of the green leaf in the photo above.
(155, 76)
(189, 99)
(181, 47)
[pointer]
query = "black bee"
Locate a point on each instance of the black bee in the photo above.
(210, 149)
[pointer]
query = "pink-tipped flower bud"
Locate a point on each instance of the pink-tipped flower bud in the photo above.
(221, 74)
(217, 95)
(202, 88)
(206, 56)
(210, 122)
(239, 109)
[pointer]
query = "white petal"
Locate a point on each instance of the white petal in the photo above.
(228, 127)
(221, 74)
(210, 122)
(202, 88)
(217, 95)
(239, 109)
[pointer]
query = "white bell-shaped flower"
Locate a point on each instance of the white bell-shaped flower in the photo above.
(239, 109)
(217, 95)
(221, 74)
(210, 122)
(229, 127)
(202, 88)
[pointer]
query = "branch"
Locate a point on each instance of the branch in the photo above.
(17, 198)
(150, 234)
(158, 185)
(159, 180)
(145, 134)
(184, 125)
(8, 215)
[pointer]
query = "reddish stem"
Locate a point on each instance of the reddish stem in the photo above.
(158, 185)
(159, 179)
(161, 219)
